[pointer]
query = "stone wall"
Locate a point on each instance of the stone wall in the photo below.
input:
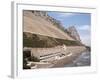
(46, 51)
(58, 49)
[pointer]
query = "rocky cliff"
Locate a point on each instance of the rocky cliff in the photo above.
(42, 24)
(43, 30)
(48, 18)
(73, 33)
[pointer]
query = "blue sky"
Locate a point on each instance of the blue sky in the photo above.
(82, 22)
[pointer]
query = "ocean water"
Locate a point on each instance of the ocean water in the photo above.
(83, 60)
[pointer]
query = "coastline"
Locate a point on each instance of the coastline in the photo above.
(74, 52)
(68, 59)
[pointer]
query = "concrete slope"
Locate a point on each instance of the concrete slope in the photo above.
(38, 25)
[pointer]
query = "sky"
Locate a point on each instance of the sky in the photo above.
(81, 21)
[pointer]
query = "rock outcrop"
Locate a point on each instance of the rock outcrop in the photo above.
(71, 30)
(73, 33)
(38, 22)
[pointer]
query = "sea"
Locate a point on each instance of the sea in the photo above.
(83, 60)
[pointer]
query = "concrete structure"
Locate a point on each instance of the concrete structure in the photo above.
(47, 54)
(54, 53)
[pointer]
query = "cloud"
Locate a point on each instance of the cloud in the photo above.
(62, 15)
(86, 39)
(84, 27)
(84, 32)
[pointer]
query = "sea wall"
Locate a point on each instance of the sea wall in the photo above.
(59, 49)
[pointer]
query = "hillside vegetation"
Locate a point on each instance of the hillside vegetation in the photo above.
(36, 41)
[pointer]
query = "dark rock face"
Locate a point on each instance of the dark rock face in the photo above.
(73, 33)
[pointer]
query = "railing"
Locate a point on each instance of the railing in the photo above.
(49, 55)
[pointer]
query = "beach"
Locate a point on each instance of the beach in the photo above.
(75, 52)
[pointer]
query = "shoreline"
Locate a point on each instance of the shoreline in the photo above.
(75, 52)
(67, 60)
